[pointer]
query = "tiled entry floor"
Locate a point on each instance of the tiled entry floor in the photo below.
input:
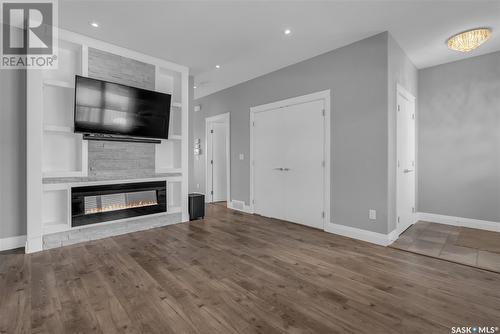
(468, 246)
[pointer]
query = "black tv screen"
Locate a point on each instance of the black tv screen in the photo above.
(109, 108)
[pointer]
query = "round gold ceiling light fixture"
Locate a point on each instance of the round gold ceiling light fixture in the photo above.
(469, 40)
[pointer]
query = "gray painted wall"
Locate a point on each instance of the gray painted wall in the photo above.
(459, 138)
(401, 71)
(358, 78)
(12, 153)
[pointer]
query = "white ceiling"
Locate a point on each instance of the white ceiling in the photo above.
(246, 37)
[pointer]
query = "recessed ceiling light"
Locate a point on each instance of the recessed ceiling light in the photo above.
(94, 24)
(469, 40)
(287, 31)
(217, 66)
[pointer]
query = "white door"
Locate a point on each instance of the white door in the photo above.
(288, 153)
(406, 160)
(268, 160)
(216, 153)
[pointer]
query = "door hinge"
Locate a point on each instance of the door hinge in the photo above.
(398, 163)
(322, 214)
(253, 201)
(323, 112)
(323, 163)
(211, 192)
(212, 131)
(253, 123)
(412, 210)
(412, 116)
(399, 107)
(211, 162)
(398, 219)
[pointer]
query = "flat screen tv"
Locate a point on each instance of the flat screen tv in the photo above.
(103, 107)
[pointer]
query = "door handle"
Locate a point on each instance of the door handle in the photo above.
(279, 168)
(407, 170)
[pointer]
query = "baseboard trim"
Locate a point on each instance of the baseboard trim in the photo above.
(239, 206)
(34, 245)
(393, 236)
(459, 221)
(12, 242)
(359, 234)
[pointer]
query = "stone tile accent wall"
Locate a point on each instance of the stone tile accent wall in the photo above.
(117, 158)
(104, 231)
(110, 67)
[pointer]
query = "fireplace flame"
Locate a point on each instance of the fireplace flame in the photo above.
(120, 206)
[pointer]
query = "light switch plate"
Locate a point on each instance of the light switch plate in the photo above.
(372, 214)
(242, 156)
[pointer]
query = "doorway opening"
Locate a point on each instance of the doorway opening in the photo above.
(217, 162)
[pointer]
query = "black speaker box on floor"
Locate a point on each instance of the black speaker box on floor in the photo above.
(196, 206)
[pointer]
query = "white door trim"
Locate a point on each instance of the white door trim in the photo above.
(226, 119)
(322, 95)
(400, 90)
(404, 92)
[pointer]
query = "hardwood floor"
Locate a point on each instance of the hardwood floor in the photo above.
(238, 273)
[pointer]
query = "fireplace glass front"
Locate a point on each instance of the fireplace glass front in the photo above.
(94, 204)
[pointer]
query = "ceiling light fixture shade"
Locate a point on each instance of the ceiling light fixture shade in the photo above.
(469, 40)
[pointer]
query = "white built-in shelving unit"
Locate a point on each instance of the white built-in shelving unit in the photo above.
(64, 154)
(55, 151)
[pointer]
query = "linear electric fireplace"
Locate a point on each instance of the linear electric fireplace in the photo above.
(96, 204)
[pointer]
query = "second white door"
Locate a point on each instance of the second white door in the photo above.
(406, 160)
(216, 153)
(288, 154)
